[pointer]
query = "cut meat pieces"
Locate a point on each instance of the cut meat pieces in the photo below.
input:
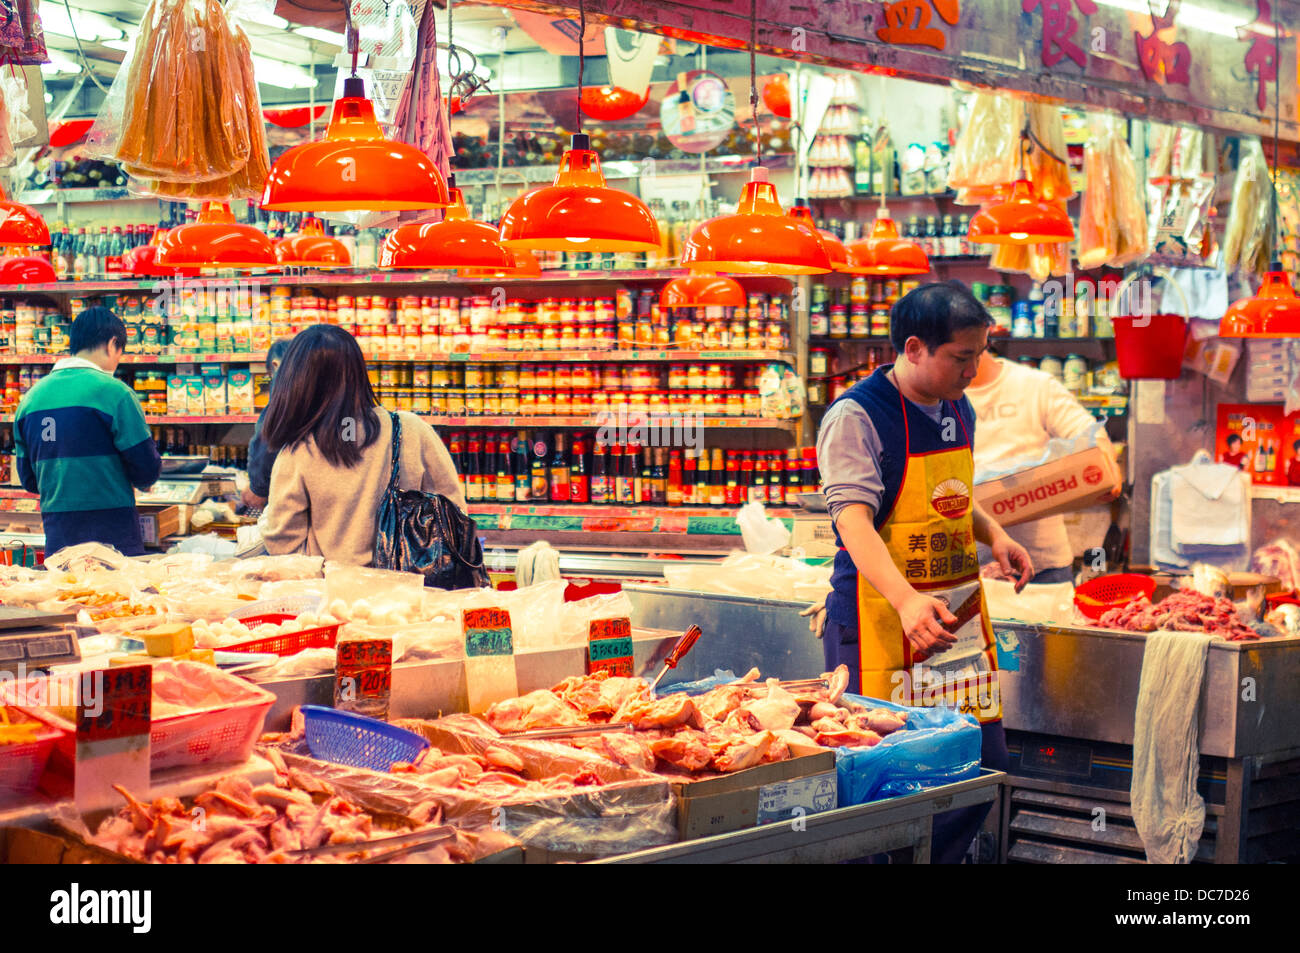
(686, 749)
(744, 752)
(539, 709)
(667, 712)
(778, 709)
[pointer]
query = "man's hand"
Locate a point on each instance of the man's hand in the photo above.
(1014, 560)
(816, 624)
(924, 618)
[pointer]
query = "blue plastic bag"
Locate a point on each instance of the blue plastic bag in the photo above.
(940, 746)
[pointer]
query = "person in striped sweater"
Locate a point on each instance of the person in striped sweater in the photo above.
(81, 442)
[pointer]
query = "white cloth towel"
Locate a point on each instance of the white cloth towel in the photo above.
(1167, 810)
(1211, 502)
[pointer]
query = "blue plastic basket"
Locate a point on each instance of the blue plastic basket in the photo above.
(358, 741)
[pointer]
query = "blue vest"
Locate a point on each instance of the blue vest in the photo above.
(885, 406)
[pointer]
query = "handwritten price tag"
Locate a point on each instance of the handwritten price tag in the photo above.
(363, 676)
(487, 632)
(114, 714)
(609, 646)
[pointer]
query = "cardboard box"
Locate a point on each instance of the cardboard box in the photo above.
(214, 394)
(239, 391)
(814, 534)
(1075, 482)
(177, 402)
(757, 795)
(194, 395)
(158, 521)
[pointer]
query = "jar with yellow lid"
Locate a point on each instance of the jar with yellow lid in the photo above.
(527, 401)
(599, 401)
(753, 403)
(563, 401)
(581, 403)
(509, 400)
(545, 403)
(550, 337)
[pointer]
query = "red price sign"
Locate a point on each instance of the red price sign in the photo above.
(609, 646)
(114, 703)
(364, 668)
(487, 632)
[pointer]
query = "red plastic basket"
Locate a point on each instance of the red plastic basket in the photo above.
(21, 765)
(1098, 596)
(322, 637)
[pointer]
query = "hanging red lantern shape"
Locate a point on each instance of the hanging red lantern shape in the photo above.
(143, 260)
(776, 95)
(70, 132)
(312, 248)
(293, 118)
(612, 103)
(26, 270)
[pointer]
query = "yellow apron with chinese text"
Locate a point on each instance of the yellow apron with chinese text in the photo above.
(930, 536)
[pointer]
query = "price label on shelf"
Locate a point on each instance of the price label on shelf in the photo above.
(114, 718)
(487, 632)
(609, 646)
(363, 676)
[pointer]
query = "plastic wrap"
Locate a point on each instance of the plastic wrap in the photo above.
(1035, 604)
(985, 154)
(277, 568)
(1112, 221)
(1248, 238)
(940, 746)
(1054, 449)
(747, 574)
(379, 596)
(178, 106)
(85, 557)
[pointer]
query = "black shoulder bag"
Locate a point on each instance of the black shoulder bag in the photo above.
(426, 533)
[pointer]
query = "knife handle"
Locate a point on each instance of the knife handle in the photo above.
(688, 639)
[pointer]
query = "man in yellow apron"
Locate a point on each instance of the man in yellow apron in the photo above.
(906, 612)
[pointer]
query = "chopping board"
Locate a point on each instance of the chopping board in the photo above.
(12, 617)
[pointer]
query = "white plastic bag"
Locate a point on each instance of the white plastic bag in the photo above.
(751, 574)
(1053, 603)
(761, 534)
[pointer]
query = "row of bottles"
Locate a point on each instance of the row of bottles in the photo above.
(495, 466)
(87, 255)
(175, 442)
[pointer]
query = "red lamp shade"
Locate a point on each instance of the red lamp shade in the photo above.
(758, 239)
(1273, 312)
(523, 264)
(885, 253)
(355, 167)
(839, 255)
(143, 260)
(312, 248)
(21, 224)
(702, 291)
(1021, 220)
(611, 103)
(26, 270)
(579, 212)
(776, 96)
(216, 240)
(68, 132)
(294, 117)
(456, 242)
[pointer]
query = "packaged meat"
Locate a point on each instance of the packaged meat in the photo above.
(1248, 238)
(1112, 221)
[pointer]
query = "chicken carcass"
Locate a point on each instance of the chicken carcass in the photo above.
(685, 749)
(717, 703)
(744, 752)
(628, 750)
(539, 709)
(643, 711)
(777, 710)
(834, 735)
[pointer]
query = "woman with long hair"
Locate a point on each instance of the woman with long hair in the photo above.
(334, 452)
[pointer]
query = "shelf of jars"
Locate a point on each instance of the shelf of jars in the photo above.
(445, 357)
(556, 421)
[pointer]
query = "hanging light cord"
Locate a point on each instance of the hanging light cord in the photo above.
(1277, 122)
(582, 54)
(81, 54)
(1027, 137)
(351, 35)
(753, 78)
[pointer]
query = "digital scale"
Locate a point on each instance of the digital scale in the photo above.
(36, 640)
(189, 489)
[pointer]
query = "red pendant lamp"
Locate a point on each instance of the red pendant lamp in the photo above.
(458, 241)
(312, 248)
(1021, 218)
(885, 252)
(21, 224)
(759, 239)
(579, 212)
(216, 240)
(702, 291)
(835, 249)
(1273, 311)
(355, 167)
(26, 270)
(143, 260)
(523, 264)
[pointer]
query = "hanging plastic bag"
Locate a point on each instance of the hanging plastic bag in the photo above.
(985, 154)
(177, 109)
(23, 91)
(1112, 222)
(1247, 241)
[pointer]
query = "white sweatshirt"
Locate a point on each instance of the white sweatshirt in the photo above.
(1015, 416)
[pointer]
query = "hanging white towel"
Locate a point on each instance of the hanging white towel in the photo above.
(1211, 504)
(1167, 810)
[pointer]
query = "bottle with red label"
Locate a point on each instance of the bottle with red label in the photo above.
(734, 493)
(600, 474)
(579, 481)
(673, 491)
(473, 475)
(559, 472)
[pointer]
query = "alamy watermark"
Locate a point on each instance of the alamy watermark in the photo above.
(647, 429)
(204, 296)
(1106, 295)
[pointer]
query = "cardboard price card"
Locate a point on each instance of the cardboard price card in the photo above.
(114, 719)
(609, 646)
(363, 676)
(487, 632)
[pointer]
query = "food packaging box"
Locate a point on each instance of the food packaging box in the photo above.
(239, 391)
(214, 394)
(177, 402)
(757, 795)
(1073, 482)
(814, 534)
(194, 395)
(158, 521)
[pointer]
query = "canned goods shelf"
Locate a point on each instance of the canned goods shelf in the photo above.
(463, 357)
(564, 422)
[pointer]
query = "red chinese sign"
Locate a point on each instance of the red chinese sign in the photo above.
(1059, 26)
(115, 703)
(609, 646)
(907, 22)
(1262, 56)
(1162, 61)
(369, 663)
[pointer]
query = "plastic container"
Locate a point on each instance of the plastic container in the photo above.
(357, 741)
(21, 765)
(1098, 596)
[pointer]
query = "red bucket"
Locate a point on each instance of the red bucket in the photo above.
(1150, 347)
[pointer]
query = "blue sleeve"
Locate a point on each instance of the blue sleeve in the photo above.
(142, 463)
(27, 476)
(260, 462)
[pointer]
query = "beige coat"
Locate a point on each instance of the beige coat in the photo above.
(319, 509)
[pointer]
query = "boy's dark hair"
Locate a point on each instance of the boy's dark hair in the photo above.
(934, 312)
(322, 391)
(1236, 437)
(275, 353)
(94, 328)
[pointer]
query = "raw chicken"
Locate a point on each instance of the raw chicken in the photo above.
(539, 709)
(744, 753)
(643, 711)
(778, 710)
(686, 749)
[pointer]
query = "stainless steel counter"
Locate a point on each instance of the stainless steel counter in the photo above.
(1082, 682)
